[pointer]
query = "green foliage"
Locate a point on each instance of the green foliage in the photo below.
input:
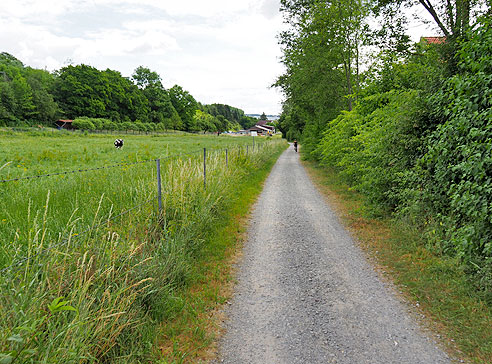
(456, 171)
(321, 56)
(84, 123)
(419, 143)
(25, 94)
(111, 101)
(233, 115)
(374, 145)
(185, 105)
(204, 121)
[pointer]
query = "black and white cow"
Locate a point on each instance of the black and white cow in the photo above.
(118, 143)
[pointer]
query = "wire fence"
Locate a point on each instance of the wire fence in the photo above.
(63, 131)
(156, 195)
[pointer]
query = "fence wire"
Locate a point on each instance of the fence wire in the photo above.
(20, 262)
(65, 241)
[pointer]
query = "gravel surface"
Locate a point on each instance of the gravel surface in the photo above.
(307, 294)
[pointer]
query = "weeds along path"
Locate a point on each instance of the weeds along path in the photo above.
(306, 293)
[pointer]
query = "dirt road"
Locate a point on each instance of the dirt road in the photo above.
(306, 293)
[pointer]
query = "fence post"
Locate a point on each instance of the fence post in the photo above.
(253, 143)
(247, 149)
(159, 190)
(204, 167)
(227, 159)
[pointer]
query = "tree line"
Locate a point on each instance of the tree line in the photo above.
(97, 99)
(407, 125)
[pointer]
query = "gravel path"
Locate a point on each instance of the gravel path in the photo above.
(306, 294)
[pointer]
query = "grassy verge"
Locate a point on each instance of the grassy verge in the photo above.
(100, 297)
(190, 332)
(435, 285)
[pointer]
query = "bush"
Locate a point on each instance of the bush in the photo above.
(373, 145)
(456, 171)
(150, 126)
(138, 125)
(109, 125)
(83, 123)
(126, 125)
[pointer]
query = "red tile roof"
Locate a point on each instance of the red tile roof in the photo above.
(433, 40)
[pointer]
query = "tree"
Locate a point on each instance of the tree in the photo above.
(82, 91)
(45, 108)
(263, 117)
(204, 121)
(161, 108)
(452, 17)
(143, 77)
(126, 100)
(321, 55)
(185, 105)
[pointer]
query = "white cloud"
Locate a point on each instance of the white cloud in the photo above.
(221, 50)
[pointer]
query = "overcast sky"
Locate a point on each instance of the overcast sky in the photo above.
(221, 51)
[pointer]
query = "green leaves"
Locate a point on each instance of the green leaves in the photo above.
(57, 305)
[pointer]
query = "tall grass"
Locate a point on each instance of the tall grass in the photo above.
(98, 296)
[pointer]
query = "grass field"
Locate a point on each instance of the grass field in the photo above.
(90, 277)
(31, 154)
(70, 201)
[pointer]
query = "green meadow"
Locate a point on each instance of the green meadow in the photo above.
(87, 258)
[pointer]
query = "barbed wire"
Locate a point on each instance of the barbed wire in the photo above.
(65, 241)
(76, 171)
(108, 166)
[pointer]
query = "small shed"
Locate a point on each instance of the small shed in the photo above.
(64, 124)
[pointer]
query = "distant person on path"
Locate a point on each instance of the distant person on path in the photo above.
(295, 145)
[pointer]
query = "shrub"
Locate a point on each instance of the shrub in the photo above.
(126, 125)
(373, 145)
(457, 168)
(83, 123)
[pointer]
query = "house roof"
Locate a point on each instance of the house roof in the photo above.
(65, 121)
(259, 127)
(433, 40)
(262, 122)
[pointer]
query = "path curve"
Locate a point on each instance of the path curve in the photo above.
(306, 293)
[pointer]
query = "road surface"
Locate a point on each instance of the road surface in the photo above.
(307, 294)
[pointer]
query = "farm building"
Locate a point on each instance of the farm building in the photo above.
(64, 124)
(262, 130)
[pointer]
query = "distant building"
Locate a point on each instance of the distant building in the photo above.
(432, 40)
(64, 124)
(262, 130)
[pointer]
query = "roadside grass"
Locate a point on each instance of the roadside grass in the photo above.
(32, 154)
(69, 201)
(99, 297)
(436, 286)
(191, 331)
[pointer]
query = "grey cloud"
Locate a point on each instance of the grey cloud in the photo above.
(270, 8)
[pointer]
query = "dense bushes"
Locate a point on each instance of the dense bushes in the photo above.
(85, 123)
(456, 171)
(373, 145)
(425, 151)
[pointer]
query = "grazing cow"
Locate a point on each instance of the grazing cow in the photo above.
(118, 143)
